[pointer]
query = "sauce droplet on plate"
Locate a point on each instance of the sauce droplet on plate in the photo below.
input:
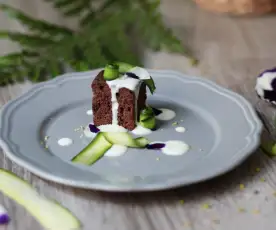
(115, 151)
(89, 112)
(141, 131)
(175, 148)
(180, 129)
(87, 132)
(166, 115)
(112, 128)
(65, 141)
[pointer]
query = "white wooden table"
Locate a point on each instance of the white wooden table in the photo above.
(232, 52)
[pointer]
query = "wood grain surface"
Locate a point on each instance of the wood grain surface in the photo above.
(232, 52)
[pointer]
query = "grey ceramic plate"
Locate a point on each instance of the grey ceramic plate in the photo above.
(221, 128)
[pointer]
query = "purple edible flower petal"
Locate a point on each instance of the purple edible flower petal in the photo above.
(4, 219)
(132, 75)
(155, 146)
(273, 83)
(272, 70)
(93, 128)
(156, 111)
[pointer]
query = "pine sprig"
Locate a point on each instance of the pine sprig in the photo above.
(71, 7)
(92, 14)
(107, 31)
(36, 26)
(26, 40)
(75, 9)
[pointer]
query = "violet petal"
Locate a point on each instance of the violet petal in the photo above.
(272, 70)
(4, 219)
(155, 146)
(93, 128)
(269, 95)
(273, 84)
(156, 111)
(132, 75)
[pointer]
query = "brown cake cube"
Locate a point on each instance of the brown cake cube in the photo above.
(129, 106)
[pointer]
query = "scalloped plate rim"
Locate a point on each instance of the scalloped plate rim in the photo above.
(62, 79)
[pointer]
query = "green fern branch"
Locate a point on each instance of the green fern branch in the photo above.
(71, 7)
(75, 9)
(106, 33)
(26, 40)
(36, 26)
(92, 14)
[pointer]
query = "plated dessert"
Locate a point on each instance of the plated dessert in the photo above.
(124, 117)
(266, 86)
(120, 112)
(132, 150)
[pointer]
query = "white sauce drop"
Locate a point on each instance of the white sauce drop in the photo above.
(116, 150)
(140, 130)
(260, 91)
(112, 128)
(265, 80)
(114, 102)
(175, 148)
(115, 85)
(2, 210)
(180, 129)
(264, 83)
(88, 133)
(166, 115)
(89, 112)
(126, 82)
(65, 141)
